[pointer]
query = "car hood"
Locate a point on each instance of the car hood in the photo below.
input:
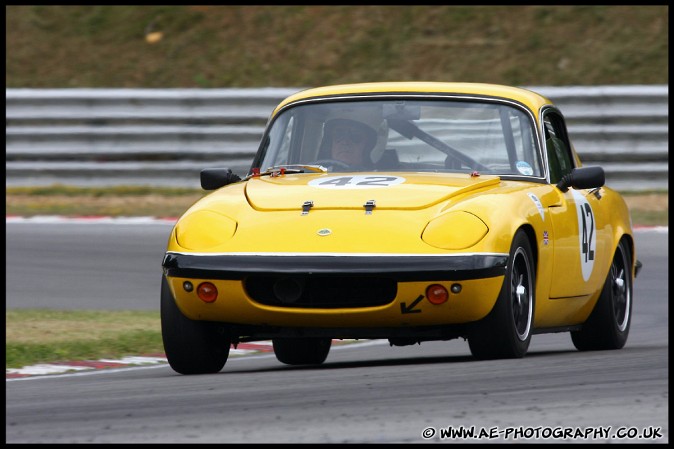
(353, 190)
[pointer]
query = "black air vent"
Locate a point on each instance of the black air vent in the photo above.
(321, 292)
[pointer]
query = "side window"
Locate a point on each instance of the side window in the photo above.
(557, 146)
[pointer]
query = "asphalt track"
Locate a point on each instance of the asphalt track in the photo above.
(365, 392)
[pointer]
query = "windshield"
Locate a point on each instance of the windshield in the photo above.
(403, 135)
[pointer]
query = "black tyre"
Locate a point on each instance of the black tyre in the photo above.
(609, 323)
(302, 351)
(192, 347)
(506, 331)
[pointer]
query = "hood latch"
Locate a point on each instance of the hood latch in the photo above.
(306, 206)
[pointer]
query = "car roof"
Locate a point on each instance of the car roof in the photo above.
(530, 99)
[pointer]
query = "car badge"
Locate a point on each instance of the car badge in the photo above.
(323, 232)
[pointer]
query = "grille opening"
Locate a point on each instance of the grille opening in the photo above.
(321, 291)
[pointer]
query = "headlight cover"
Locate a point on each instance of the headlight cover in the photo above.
(204, 229)
(455, 230)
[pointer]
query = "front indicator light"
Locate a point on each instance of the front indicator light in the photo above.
(207, 292)
(437, 294)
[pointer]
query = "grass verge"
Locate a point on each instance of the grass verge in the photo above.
(43, 336)
(126, 201)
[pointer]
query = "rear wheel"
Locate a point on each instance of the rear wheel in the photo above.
(192, 347)
(301, 351)
(506, 331)
(608, 325)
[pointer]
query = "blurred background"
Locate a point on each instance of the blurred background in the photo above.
(150, 95)
(308, 46)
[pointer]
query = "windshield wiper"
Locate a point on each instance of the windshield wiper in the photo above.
(278, 170)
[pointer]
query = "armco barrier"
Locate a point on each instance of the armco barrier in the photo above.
(164, 137)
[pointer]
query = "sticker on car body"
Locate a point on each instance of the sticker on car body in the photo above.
(538, 204)
(356, 182)
(524, 168)
(587, 232)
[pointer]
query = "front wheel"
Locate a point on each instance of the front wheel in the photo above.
(608, 325)
(506, 331)
(192, 347)
(301, 351)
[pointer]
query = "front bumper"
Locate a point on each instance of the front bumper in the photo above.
(403, 267)
(480, 276)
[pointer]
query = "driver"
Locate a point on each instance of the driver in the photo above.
(351, 142)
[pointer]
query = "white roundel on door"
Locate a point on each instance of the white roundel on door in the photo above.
(587, 233)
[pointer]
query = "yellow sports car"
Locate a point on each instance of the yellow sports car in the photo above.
(407, 211)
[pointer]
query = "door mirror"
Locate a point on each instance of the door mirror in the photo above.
(582, 178)
(214, 178)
